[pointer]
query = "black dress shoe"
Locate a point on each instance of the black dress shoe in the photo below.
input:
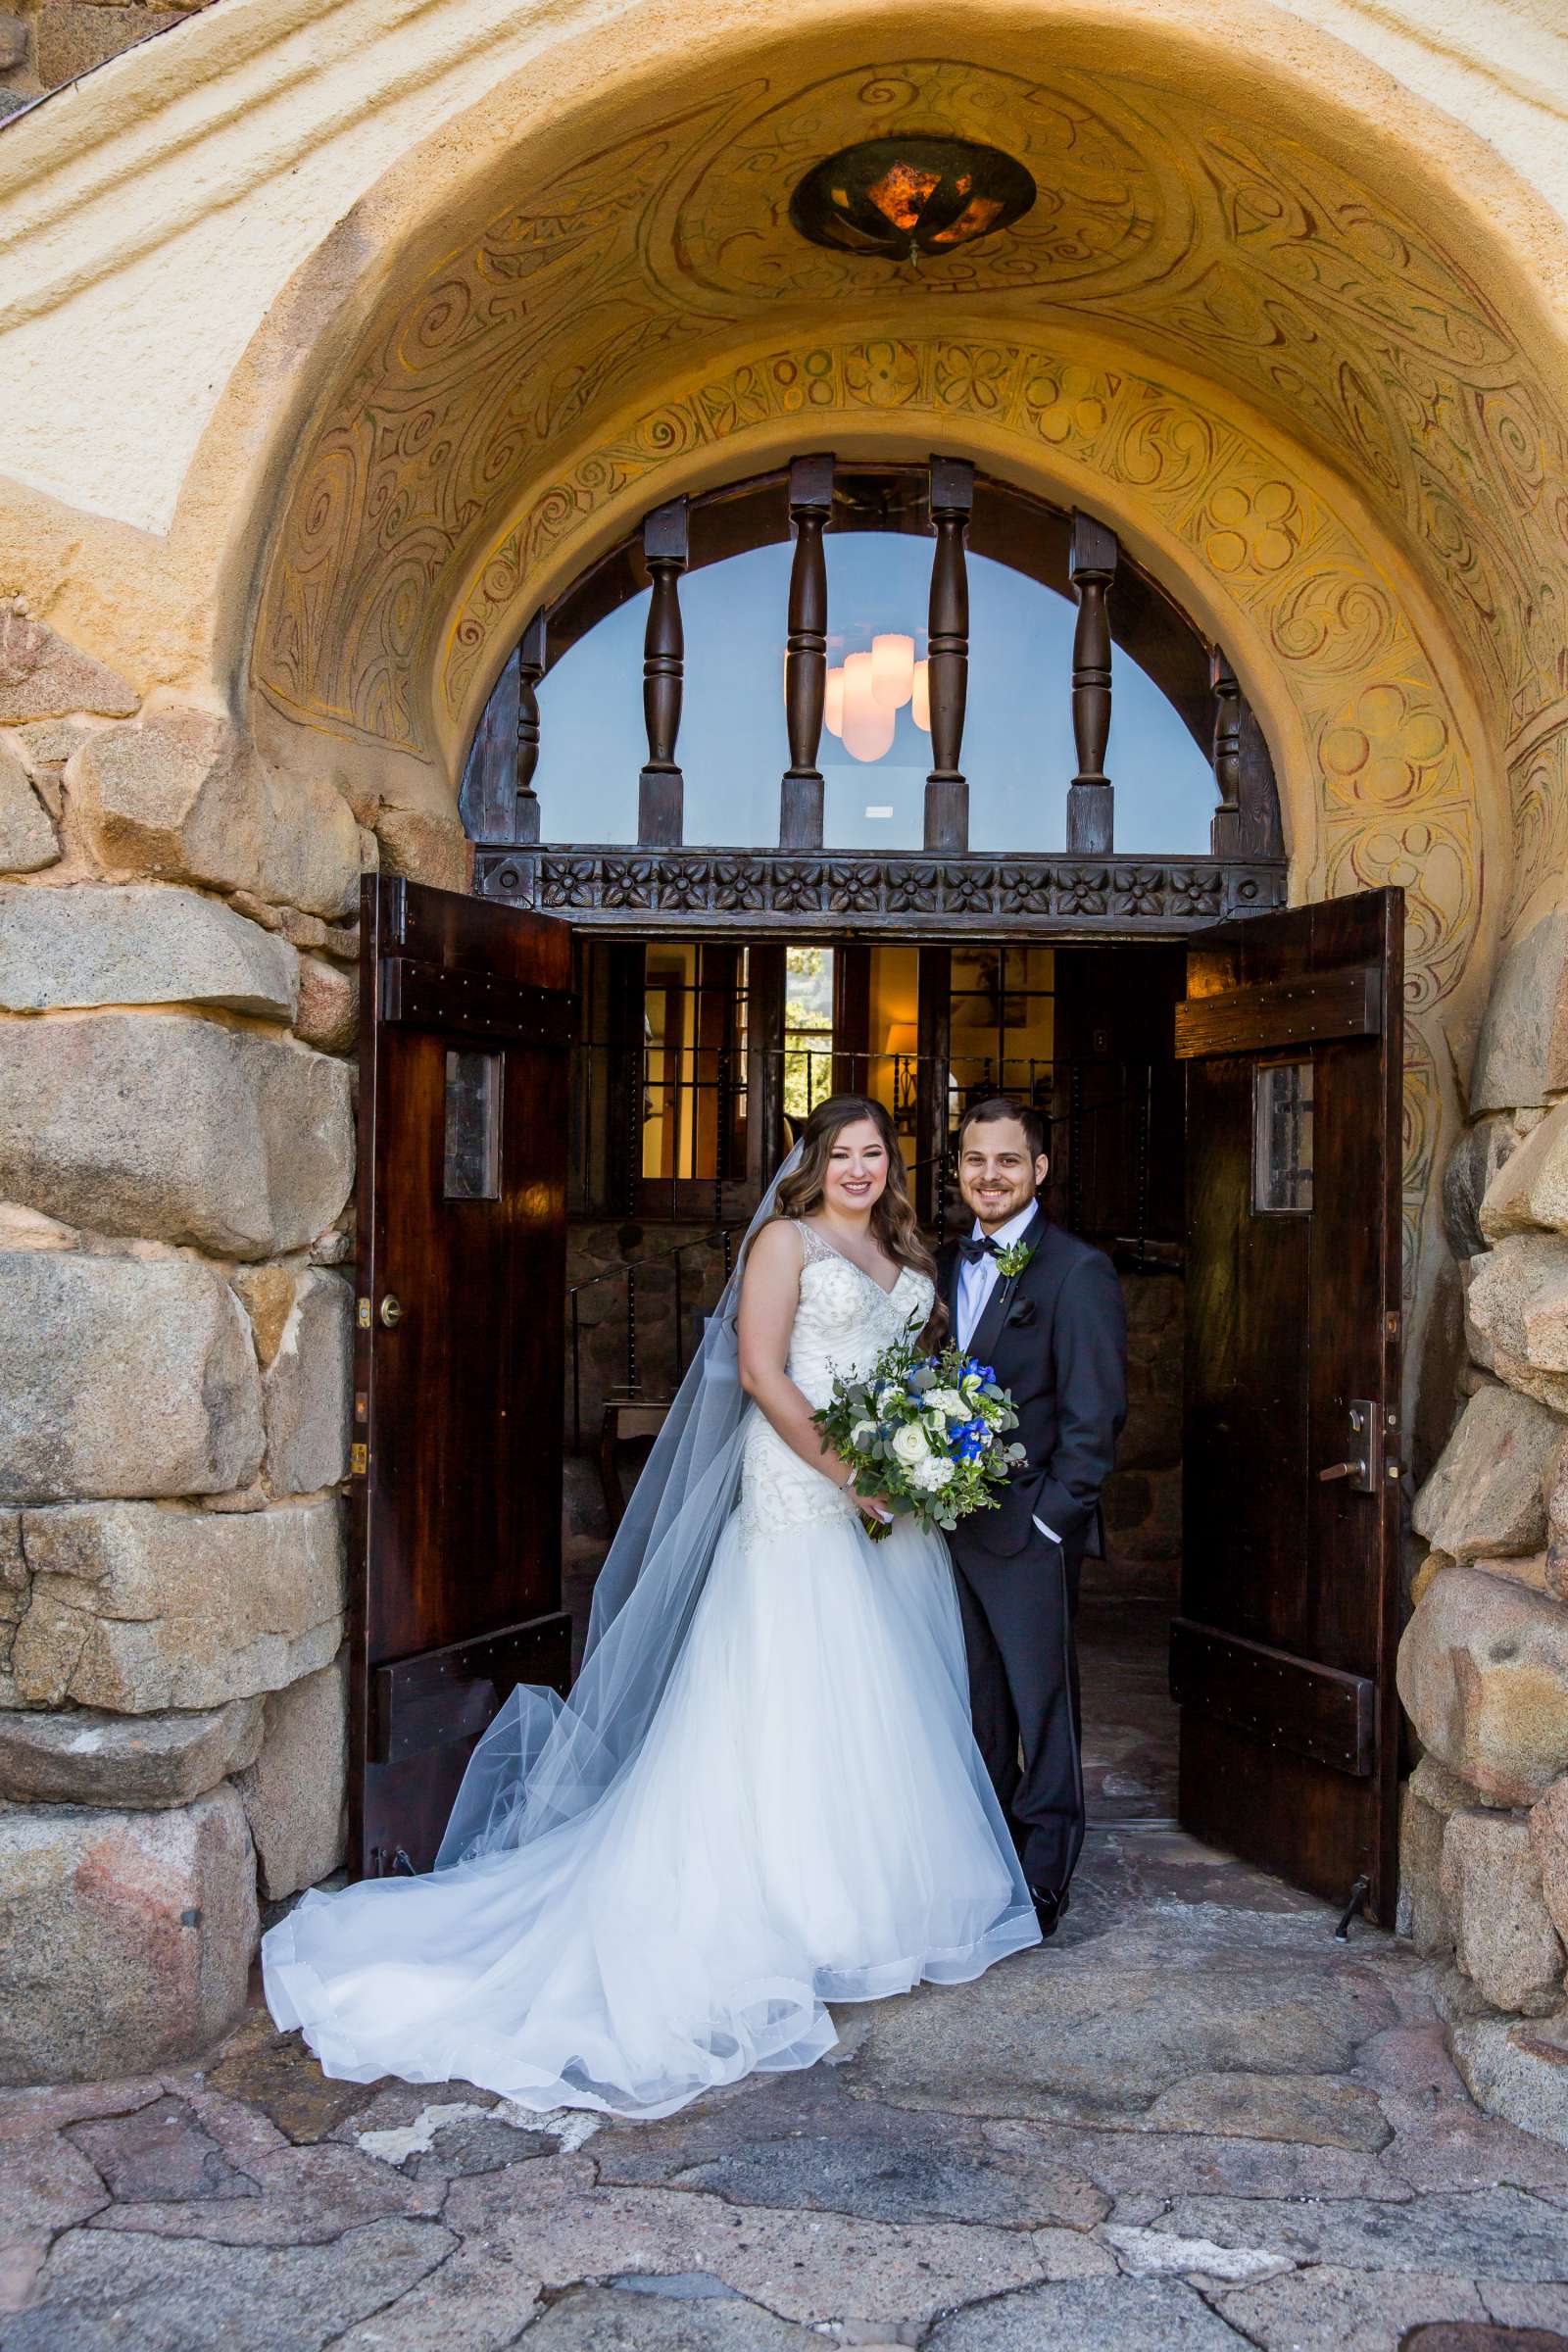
(1049, 1909)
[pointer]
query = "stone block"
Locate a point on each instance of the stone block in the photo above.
(293, 1794)
(425, 848)
(75, 38)
(126, 1938)
(43, 677)
(142, 945)
(28, 839)
(86, 1758)
(307, 1388)
(1424, 1809)
(136, 1608)
(1503, 1937)
(158, 1124)
(1519, 2072)
(1484, 1492)
(1549, 1835)
(1471, 1166)
(1522, 1052)
(122, 1377)
(13, 1585)
(1528, 1190)
(13, 43)
(268, 1295)
(328, 1015)
(1516, 1315)
(185, 798)
(1482, 1673)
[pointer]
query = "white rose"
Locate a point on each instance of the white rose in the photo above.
(909, 1444)
(949, 1401)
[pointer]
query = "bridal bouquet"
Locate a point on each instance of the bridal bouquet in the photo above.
(926, 1432)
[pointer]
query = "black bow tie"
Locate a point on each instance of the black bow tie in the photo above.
(972, 1250)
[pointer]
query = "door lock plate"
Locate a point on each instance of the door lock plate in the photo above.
(1362, 1469)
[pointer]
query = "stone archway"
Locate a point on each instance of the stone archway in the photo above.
(1223, 342)
(1298, 347)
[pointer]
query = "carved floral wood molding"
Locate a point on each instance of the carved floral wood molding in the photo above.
(746, 890)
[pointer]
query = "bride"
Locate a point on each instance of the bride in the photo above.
(764, 1794)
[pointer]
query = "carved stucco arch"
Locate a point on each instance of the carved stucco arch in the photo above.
(1317, 405)
(1381, 758)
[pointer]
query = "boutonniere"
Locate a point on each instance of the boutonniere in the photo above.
(1012, 1259)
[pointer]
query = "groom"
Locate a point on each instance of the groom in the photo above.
(1046, 1311)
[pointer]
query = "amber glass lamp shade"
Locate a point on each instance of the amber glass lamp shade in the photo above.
(900, 199)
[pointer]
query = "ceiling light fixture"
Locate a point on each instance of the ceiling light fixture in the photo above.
(899, 199)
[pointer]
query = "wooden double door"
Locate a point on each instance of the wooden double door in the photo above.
(1282, 1647)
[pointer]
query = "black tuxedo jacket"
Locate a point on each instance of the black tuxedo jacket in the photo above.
(1056, 1337)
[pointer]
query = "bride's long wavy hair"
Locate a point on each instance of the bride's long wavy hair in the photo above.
(893, 1219)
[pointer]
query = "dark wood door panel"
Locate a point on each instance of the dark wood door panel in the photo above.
(1283, 1658)
(459, 1366)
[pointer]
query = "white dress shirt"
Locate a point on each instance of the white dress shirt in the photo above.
(976, 1282)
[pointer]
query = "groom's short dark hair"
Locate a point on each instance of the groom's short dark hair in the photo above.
(1006, 1107)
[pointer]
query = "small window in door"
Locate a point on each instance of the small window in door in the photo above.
(472, 1157)
(1281, 1140)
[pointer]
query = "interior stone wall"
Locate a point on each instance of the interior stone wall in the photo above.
(178, 1014)
(1484, 1662)
(1142, 1498)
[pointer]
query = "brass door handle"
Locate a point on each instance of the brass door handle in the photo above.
(1342, 1470)
(391, 1311)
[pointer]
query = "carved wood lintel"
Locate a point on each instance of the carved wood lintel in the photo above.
(762, 893)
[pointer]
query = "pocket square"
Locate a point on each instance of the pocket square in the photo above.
(1023, 1313)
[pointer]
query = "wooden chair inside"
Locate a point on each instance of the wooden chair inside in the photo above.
(627, 1420)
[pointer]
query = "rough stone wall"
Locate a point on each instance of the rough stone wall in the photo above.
(46, 44)
(178, 985)
(598, 1249)
(1143, 1500)
(1483, 1663)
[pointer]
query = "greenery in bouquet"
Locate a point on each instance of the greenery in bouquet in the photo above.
(928, 1432)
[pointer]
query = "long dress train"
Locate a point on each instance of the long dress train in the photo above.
(808, 1820)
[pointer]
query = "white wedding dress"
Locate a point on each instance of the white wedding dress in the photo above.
(808, 1820)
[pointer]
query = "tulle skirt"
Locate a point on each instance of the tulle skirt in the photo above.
(808, 1821)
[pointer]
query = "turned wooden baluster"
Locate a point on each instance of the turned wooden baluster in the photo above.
(531, 656)
(1091, 803)
(946, 795)
(661, 793)
(800, 816)
(1247, 822)
(1224, 832)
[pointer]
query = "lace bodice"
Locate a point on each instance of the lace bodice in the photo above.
(844, 1321)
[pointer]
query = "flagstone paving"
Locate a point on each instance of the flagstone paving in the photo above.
(1193, 2121)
